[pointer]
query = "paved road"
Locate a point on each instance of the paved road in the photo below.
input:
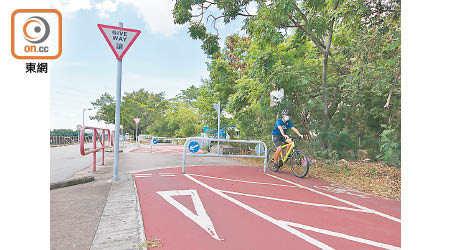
(119, 226)
(67, 160)
(235, 207)
(76, 211)
(112, 211)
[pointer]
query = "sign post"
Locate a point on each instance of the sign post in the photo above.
(217, 108)
(119, 40)
(137, 120)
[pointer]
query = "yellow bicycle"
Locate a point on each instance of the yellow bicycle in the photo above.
(299, 161)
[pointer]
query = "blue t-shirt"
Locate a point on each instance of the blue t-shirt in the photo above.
(284, 125)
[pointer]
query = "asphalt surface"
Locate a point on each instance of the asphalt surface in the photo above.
(67, 160)
(106, 214)
(235, 207)
(76, 211)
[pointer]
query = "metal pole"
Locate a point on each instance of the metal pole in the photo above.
(103, 145)
(117, 118)
(94, 167)
(83, 116)
(136, 132)
(218, 130)
(183, 162)
(265, 158)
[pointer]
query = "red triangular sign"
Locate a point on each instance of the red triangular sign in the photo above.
(137, 120)
(119, 39)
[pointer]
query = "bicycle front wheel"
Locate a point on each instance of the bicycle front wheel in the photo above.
(299, 164)
(270, 161)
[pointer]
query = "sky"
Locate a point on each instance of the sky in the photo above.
(164, 58)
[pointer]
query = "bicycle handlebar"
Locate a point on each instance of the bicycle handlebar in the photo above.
(296, 137)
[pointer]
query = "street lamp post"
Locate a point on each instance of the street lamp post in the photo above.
(83, 114)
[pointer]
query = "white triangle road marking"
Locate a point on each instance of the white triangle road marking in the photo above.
(202, 219)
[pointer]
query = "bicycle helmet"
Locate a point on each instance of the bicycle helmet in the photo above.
(285, 112)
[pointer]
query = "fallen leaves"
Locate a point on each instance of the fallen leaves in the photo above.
(369, 177)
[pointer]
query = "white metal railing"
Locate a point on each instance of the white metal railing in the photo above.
(198, 139)
(149, 137)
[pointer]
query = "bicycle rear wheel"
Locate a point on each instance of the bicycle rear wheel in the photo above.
(270, 162)
(299, 164)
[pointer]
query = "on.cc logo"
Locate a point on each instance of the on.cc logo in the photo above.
(36, 29)
(36, 34)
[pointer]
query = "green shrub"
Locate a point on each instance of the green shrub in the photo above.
(390, 147)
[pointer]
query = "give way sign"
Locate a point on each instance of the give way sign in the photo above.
(119, 39)
(137, 120)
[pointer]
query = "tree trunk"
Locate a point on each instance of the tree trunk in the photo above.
(324, 89)
(326, 54)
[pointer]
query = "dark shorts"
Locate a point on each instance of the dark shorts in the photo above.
(278, 140)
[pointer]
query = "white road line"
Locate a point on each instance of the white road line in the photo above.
(142, 176)
(297, 202)
(264, 216)
(167, 174)
(340, 235)
(339, 199)
(252, 182)
(201, 218)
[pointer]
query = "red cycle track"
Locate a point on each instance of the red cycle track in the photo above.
(160, 149)
(235, 207)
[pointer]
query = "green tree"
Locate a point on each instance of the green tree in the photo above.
(63, 132)
(187, 95)
(338, 62)
(315, 19)
(105, 107)
(141, 103)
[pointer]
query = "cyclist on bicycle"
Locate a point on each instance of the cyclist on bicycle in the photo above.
(280, 137)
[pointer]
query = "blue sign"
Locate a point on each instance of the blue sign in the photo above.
(155, 141)
(222, 133)
(194, 147)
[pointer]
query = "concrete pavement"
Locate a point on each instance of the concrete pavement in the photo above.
(75, 211)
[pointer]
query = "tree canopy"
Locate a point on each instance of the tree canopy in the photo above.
(338, 62)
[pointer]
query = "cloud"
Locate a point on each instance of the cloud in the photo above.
(68, 6)
(157, 14)
(106, 7)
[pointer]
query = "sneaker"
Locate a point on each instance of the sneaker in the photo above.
(280, 163)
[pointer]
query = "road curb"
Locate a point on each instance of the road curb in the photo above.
(71, 182)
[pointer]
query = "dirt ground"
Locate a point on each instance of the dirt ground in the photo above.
(369, 177)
